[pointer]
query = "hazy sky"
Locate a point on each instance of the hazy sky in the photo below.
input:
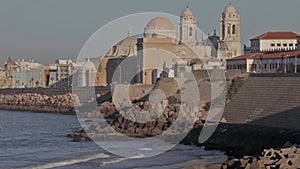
(45, 30)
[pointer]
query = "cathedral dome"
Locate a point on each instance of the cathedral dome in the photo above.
(187, 12)
(159, 27)
(230, 9)
(160, 23)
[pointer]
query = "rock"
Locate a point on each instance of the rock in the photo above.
(287, 151)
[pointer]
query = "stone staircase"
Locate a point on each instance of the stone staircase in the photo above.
(267, 100)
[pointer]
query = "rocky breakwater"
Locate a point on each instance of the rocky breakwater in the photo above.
(285, 158)
(135, 121)
(38, 103)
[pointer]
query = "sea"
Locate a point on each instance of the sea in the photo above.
(39, 141)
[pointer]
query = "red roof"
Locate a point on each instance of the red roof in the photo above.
(11, 62)
(277, 35)
(275, 55)
(246, 56)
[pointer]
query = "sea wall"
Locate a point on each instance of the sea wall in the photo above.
(38, 103)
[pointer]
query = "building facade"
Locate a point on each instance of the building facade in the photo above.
(65, 69)
(29, 78)
(274, 42)
(277, 62)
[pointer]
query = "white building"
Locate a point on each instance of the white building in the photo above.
(87, 74)
(276, 62)
(29, 78)
(274, 41)
(27, 65)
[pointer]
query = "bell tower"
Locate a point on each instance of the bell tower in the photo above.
(230, 37)
(188, 27)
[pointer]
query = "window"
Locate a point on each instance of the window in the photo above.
(223, 30)
(285, 44)
(191, 31)
(228, 30)
(291, 44)
(278, 44)
(233, 29)
(273, 44)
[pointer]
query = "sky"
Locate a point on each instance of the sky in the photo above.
(57, 29)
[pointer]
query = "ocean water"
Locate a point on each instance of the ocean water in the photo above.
(38, 140)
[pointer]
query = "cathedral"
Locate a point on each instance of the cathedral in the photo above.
(179, 47)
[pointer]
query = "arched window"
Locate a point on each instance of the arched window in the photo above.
(228, 30)
(233, 29)
(273, 44)
(191, 31)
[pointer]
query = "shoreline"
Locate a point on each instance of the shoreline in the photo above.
(241, 142)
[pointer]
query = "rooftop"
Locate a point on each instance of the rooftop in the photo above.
(277, 35)
(275, 55)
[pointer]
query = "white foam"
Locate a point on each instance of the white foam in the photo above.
(121, 159)
(69, 162)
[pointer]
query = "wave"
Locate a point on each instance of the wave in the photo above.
(68, 162)
(120, 160)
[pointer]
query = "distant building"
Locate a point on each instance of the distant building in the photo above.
(230, 34)
(276, 62)
(65, 69)
(10, 66)
(86, 74)
(214, 40)
(29, 78)
(27, 65)
(274, 42)
(52, 75)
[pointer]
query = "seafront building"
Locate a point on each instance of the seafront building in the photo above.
(275, 62)
(274, 42)
(271, 52)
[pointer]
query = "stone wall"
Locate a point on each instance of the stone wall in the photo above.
(38, 103)
(267, 100)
